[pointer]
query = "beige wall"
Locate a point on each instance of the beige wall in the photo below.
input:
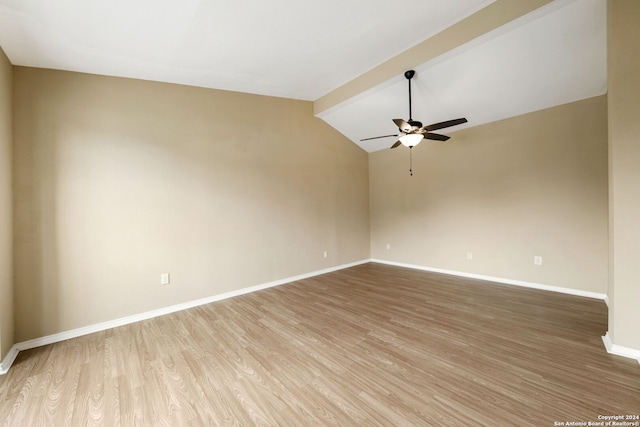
(506, 191)
(121, 180)
(6, 274)
(624, 171)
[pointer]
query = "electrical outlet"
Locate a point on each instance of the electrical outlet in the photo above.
(325, 254)
(537, 260)
(388, 246)
(164, 279)
(469, 255)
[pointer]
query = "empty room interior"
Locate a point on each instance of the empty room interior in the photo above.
(202, 221)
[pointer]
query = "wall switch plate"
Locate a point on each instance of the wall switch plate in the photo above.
(537, 260)
(388, 246)
(325, 254)
(469, 255)
(164, 279)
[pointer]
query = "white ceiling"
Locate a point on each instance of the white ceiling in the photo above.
(286, 48)
(305, 49)
(550, 57)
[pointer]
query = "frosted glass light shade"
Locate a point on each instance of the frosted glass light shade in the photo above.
(411, 140)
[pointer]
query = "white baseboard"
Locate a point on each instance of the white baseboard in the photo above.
(98, 327)
(50, 339)
(619, 350)
(606, 339)
(8, 360)
(569, 291)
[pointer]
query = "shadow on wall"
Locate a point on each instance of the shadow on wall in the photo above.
(121, 180)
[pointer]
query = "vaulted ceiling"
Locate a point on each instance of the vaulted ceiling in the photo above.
(485, 60)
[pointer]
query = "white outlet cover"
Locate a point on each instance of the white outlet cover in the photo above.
(164, 279)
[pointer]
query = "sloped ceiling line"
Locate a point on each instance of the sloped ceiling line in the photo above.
(551, 56)
(481, 59)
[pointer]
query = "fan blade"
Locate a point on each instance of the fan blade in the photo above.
(396, 144)
(402, 125)
(443, 125)
(436, 136)
(377, 137)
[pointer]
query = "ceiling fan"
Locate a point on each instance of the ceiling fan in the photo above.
(412, 132)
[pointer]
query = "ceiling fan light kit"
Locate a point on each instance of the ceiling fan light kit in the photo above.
(411, 132)
(411, 140)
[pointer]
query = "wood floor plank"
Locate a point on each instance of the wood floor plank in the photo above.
(371, 345)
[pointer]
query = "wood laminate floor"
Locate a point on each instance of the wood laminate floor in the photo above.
(372, 345)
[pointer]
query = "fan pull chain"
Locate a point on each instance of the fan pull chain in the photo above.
(410, 162)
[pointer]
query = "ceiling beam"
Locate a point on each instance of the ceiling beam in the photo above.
(488, 19)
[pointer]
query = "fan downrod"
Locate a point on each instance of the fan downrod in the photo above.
(409, 75)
